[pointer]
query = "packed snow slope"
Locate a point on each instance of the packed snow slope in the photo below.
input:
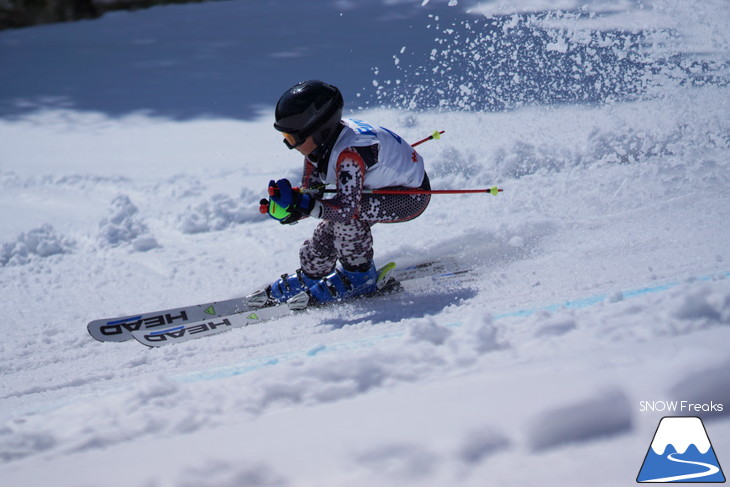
(134, 150)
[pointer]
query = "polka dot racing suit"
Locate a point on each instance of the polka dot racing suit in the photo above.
(363, 157)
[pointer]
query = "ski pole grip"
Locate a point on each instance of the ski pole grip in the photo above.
(264, 208)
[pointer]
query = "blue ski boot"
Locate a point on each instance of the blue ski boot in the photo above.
(344, 284)
(290, 285)
(280, 291)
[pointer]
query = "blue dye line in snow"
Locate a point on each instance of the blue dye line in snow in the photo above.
(246, 367)
(250, 366)
(593, 300)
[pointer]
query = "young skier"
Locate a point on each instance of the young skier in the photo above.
(353, 155)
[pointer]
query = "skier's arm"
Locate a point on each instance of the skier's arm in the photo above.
(345, 205)
(310, 176)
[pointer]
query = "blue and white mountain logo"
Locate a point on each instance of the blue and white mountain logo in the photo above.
(681, 452)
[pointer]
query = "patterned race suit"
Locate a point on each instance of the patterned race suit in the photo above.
(363, 157)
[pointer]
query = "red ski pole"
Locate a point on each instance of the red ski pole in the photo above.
(435, 135)
(494, 190)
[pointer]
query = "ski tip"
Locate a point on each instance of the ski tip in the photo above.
(384, 275)
(385, 270)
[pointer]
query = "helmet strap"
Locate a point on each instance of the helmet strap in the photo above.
(321, 154)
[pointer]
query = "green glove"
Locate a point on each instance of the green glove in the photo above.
(283, 215)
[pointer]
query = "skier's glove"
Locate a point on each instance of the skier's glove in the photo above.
(284, 216)
(291, 199)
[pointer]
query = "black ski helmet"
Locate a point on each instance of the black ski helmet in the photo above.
(308, 108)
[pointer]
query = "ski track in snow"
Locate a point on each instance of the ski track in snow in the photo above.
(557, 329)
(600, 274)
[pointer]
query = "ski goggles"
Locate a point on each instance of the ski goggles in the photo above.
(292, 141)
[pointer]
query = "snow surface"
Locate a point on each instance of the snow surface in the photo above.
(134, 150)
